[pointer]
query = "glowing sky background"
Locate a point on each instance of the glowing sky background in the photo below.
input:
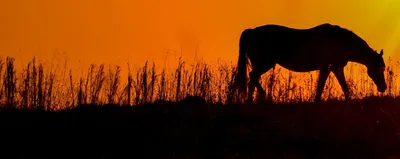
(120, 31)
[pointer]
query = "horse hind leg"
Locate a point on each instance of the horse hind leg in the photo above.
(254, 83)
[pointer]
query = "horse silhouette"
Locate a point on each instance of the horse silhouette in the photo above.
(326, 47)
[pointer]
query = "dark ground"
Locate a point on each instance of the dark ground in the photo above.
(194, 129)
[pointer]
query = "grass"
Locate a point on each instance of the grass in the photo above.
(57, 89)
(190, 112)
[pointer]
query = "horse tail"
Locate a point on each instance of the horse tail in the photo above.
(241, 74)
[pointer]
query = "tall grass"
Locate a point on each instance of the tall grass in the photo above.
(38, 87)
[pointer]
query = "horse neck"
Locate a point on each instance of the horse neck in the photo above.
(364, 59)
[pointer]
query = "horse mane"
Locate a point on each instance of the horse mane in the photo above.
(340, 30)
(350, 35)
(364, 48)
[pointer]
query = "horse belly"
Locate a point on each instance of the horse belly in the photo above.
(300, 65)
(303, 57)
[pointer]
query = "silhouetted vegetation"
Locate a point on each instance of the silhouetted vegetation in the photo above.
(191, 113)
(56, 89)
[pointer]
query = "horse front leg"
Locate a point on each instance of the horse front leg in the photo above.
(339, 73)
(323, 75)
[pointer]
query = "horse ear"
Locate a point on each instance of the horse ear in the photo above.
(381, 53)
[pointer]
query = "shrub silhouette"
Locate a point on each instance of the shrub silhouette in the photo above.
(38, 87)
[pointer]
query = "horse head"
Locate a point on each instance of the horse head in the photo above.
(376, 71)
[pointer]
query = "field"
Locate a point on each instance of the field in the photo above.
(190, 113)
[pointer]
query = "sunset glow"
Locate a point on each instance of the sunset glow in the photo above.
(134, 31)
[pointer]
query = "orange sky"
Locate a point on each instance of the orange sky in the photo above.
(120, 31)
